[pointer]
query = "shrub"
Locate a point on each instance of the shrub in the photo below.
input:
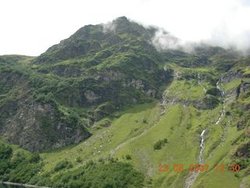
(35, 158)
(79, 159)
(165, 140)
(128, 157)
(211, 101)
(214, 91)
(5, 151)
(160, 143)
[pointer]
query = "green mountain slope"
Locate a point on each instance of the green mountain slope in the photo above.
(64, 91)
(130, 110)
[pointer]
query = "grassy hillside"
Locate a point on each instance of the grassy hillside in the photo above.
(104, 108)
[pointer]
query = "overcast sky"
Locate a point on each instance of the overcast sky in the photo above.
(31, 26)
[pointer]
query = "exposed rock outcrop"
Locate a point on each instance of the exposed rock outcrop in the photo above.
(37, 127)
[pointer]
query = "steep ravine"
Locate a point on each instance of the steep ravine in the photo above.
(193, 176)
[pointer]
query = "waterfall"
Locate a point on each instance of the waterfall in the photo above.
(202, 146)
(191, 179)
(222, 93)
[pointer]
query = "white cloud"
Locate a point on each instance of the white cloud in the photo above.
(164, 40)
(109, 26)
(30, 27)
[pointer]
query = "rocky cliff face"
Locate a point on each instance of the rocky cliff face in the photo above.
(25, 119)
(35, 126)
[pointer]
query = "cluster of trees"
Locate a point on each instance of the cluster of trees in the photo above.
(18, 167)
(24, 167)
(160, 143)
(104, 174)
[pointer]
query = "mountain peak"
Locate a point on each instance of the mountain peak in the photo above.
(122, 19)
(91, 38)
(123, 25)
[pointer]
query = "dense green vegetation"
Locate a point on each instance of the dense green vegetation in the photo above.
(25, 167)
(101, 174)
(20, 166)
(104, 108)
